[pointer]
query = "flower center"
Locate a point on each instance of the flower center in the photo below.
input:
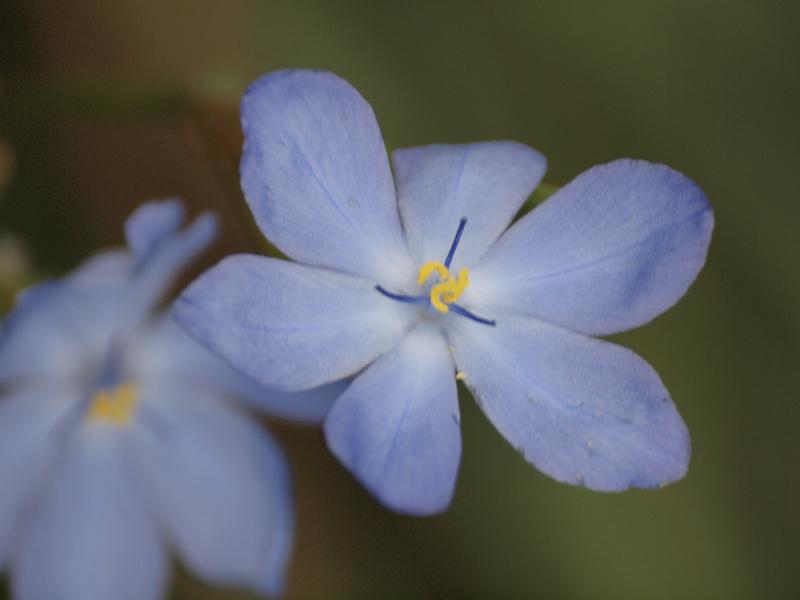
(113, 406)
(449, 288)
(442, 295)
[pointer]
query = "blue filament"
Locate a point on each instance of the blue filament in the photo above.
(402, 297)
(460, 310)
(461, 224)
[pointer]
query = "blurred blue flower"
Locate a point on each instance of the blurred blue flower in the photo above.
(118, 437)
(413, 283)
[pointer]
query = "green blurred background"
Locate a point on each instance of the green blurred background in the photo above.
(105, 104)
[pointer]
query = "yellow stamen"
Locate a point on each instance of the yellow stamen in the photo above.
(429, 268)
(113, 406)
(439, 290)
(449, 289)
(454, 292)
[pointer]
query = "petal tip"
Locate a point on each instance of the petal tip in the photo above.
(278, 82)
(342, 436)
(151, 222)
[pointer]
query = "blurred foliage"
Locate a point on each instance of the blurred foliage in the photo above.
(539, 195)
(108, 104)
(15, 270)
(6, 165)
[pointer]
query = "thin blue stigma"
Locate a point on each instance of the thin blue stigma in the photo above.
(402, 297)
(460, 310)
(461, 224)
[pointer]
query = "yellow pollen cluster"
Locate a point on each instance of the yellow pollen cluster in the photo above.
(113, 406)
(449, 288)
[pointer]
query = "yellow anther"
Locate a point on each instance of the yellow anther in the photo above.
(429, 268)
(114, 406)
(449, 289)
(463, 279)
(454, 292)
(437, 293)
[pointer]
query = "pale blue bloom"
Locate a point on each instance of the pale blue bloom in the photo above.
(411, 283)
(119, 440)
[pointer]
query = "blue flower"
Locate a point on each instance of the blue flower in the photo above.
(118, 436)
(412, 282)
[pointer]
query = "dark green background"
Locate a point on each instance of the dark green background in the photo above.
(107, 104)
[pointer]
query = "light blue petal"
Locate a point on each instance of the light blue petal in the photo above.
(90, 536)
(133, 283)
(396, 428)
(609, 251)
(151, 223)
(165, 353)
(316, 175)
(61, 326)
(167, 259)
(485, 182)
(290, 326)
(33, 293)
(309, 407)
(581, 410)
(51, 333)
(26, 345)
(29, 417)
(220, 487)
(105, 272)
